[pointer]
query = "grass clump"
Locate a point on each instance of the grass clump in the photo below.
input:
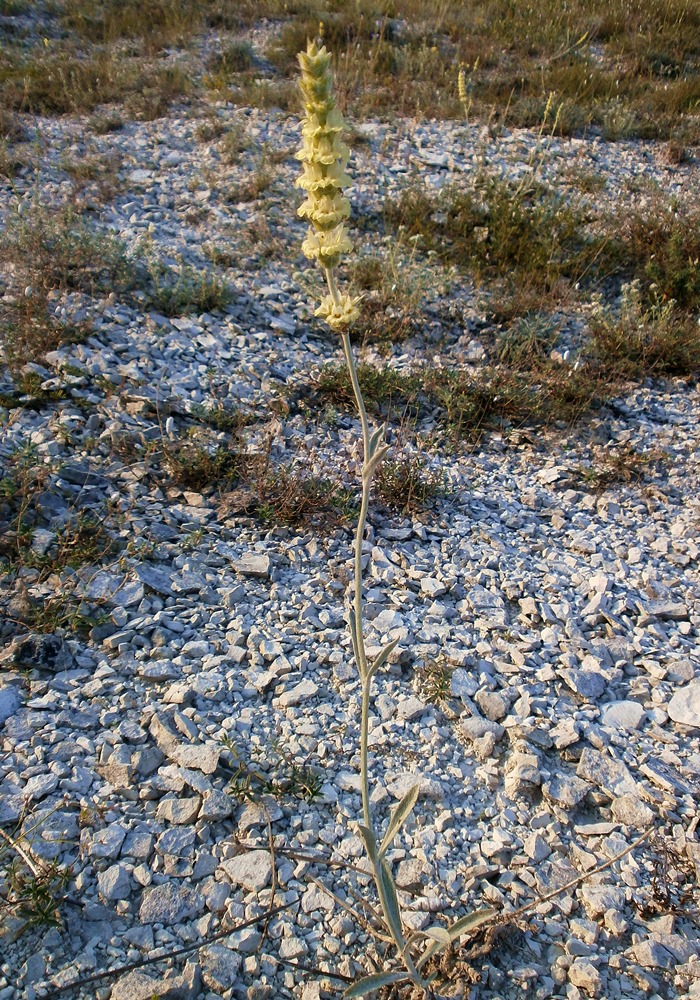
(61, 249)
(642, 340)
(623, 465)
(175, 287)
(59, 81)
(194, 466)
(392, 290)
(660, 246)
(223, 67)
(527, 342)
(385, 390)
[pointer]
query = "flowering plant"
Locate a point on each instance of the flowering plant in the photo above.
(324, 157)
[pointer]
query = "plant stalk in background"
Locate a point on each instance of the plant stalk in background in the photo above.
(324, 157)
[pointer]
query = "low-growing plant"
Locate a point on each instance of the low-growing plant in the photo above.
(176, 287)
(197, 466)
(270, 770)
(59, 81)
(527, 342)
(223, 66)
(660, 247)
(324, 157)
(641, 339)
(290, 496)
(405, 483)
(234, 142)
(386, 391)
(522, 232)
(59, 248)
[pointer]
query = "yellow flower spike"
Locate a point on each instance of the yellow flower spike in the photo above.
(324, 157)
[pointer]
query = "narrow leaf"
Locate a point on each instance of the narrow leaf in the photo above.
(389, 900)
(364, 986)
(370, 842)
(374, 461)
(470, 922)
(399, 817)
(383, 656)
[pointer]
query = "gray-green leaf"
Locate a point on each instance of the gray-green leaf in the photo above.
(383, 656)
(364, 986)
(439, 934)
(390, 902)
(399, 817)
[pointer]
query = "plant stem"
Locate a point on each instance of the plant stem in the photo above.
(358, 606)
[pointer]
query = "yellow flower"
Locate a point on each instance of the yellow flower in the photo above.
(326, 247)
(325, 212)
(324, 157)
(339, 314)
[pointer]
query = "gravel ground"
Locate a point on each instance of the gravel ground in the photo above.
(561, 623)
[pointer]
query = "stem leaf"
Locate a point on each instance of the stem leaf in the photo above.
(389, 901)
(383, 657)
(369, 983)
(370, 842)
(376, 438)
(399, 817)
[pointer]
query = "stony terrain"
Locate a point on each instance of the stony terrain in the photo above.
(192, 757)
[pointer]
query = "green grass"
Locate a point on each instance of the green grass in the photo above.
(58, 81)
(522, 233)
(641, 80)
(641, 340)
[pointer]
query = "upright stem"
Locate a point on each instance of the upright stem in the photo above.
(359, 536)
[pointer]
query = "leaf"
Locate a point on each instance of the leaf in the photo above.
(374, 441)
(370, 842)
(369, 983)
(439, 934)
(459, 927)
(374, 461)
(399, 817)
(389, 900)
(470, 922)
(383, 656)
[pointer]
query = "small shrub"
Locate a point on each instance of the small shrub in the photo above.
(471, 404)
(391, 300)
(236, 57)
(498, 229)
(252, 187)
(288, 496)
(661, 248)
(209, 130)
(194, 466)
(61, 249)
(405, 484)
(178, 288)
(622, 465)
(234, 142)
